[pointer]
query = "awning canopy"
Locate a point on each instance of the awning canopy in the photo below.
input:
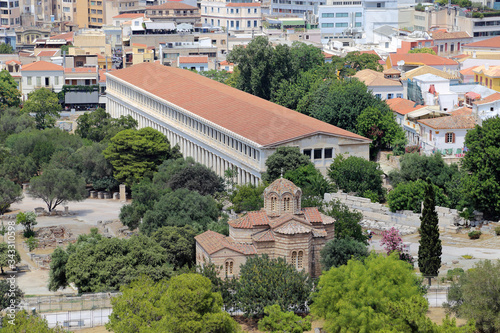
(160, 25)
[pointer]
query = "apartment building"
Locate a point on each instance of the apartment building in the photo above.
(241, 16)
(171, 11)
(41, 74)
(10, 14)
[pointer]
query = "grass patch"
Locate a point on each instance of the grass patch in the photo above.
(467, 256)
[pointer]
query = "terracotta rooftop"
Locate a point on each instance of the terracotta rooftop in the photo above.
(225, 62)
(429, 70)
(68, 36)
(129, 16)
(251, 219)
(13, 61)
(41, 66)
(374, 78)
(327, 55)
(402, 106)
(450, 35)
(239, 112)
(212, 242)
(173, 5)
(492, 98)
(468, 71)
(450, 122)
(491, 71)
(264, 236)
(492, 43)
(463, 111)
(139, 45)
(282, 185)
(421, 59)
(251, 4)
(369, 52)
(391, 70)
(51, 53)
(102, 75)
(193, 59)
(293, 227)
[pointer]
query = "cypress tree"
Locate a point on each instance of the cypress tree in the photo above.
(429, 252)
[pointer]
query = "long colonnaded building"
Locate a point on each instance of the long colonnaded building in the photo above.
(220, 126)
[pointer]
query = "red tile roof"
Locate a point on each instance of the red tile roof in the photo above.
(491, 98)
(369, 52)
(450, 122)
(264, 236)
(468, 71)
(225, 62)
(327, 55)
(312, 214)
(47, 53)
(212, 242)
(439, 35)
(463, 111)
(421, 59)
(193, 60)
(13, 61)
(173, 5)
(252, 4)
(129, 16)
(402, 106)
(68, 36)
(254, 118)
(41, 66)
(102, 75)
(251, 219)
(492, 43)
(139, 45)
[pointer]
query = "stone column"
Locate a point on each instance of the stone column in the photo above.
(123, 193)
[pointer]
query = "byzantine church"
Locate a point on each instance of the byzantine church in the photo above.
(281, 229)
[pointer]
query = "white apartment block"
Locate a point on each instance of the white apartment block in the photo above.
(41, 74)
(232, 16)
(220, 126)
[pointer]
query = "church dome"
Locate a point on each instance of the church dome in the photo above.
(281, 186)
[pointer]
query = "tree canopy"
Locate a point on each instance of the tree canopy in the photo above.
(277, 320)
(179, 243)
(13, 121)
(338, 252)
(184, 304)
(9, 193)
(482, 161)
(98, 125)
(8, 257)
(6, 48)
(23, 322)
(10, 294)
(247, 197)
(423, 49)
(346, 222)
(284, 159)
(135, 154)
(410, 195)
(45, 105)
(10, 96)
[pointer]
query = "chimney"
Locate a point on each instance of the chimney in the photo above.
(486, 67)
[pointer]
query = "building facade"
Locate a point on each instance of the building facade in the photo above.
(233, 16)
(41, 74)
(281, 229)
(220, 126)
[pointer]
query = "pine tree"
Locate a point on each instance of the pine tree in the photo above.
(429, 252)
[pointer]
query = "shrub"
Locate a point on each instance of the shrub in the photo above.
(475, 234)
(277, 320)
(388, 156)
(454, 273)
(409, 196)
(412, 149)
(497, 231)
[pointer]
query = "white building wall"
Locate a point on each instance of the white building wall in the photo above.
(485, 111)
(437, 140)
(38, 80)
(387, 92)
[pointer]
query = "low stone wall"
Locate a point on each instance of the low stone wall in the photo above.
(448, 218)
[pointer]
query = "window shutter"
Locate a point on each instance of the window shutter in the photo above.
(453, 137)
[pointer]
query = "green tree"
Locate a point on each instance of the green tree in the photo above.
(135, 154)
(99, 126)
(28, 221)
(247, 197)
(346, 222)
(380, 126)
(197, 177)
(9, 257)
(423, 49)
(429, 251)
(311, 181)
(359, 61)
(90, 163)
(9, 193)
(18, 169)
(179, 243)
(99, 264)
(55, 186)
(180, 208)
(355, 174)
(57, 273)
(32, 243)
(284, 159)
(358, 297)
(23, 322)
(409, 196)
(219, 76)
(10, 96)
(184, 304)
(10, 293)
(482, 183)
(6, 48)
(13, 121)
(283, 285)
(476, 296)
(277, 321)
(45, 105)
(338, 252)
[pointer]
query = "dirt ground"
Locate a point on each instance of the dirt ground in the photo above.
(438, 314)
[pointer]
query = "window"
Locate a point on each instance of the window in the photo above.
(286, 205)
(249, 24)
(328, 153)
(341, 25)
(307, 152)
(56, 80)
(229, 267)
(255, 24)
(341, 15)
(298, 259)
(358, 14)
(390, 96)
(232, 24)
(38, 81)
(449, 137)
(255, 10)
(379, 4)
(273, 203)
(358, 24)
(318, 154)
(327, 25)
(29, 80)
(248, 11)
(232, 11)
(399, 95)
(327, 15)
(378, 96)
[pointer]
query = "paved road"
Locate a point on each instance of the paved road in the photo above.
(88, 318)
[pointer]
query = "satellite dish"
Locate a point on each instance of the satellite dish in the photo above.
(401, 63)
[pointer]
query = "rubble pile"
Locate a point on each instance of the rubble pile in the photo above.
(53, 236)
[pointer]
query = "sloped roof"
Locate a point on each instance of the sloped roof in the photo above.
(282, 185)
(421, 59)
(13, 61)
(491, 71)
(492, 43)
(129, 16)
(391, 70)
(68, 36)
(212, 242)
(250, 220)
(50, 53)
(492, 98)
(468, 71)
(429, 70)
(438, 35)
(264, 236)
(193, 59)
(374, 78)
(463, 111)
(450, 122)
(239, 112)
(292, 228)
(41, 66)
(402, 106)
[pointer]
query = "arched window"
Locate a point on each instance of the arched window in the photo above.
(273, 203)
(297, 202)
(300, 258)
(286, 205)
(294, 258)
(229, 267)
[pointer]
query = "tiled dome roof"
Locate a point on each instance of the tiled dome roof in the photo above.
(282, 185)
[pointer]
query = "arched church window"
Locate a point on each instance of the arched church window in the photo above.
(294, 258)
(273, 203)
(229, 267)
(286, 205)
(300, 258)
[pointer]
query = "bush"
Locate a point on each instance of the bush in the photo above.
(338, 252)
(497, 231)
(409, 196)
(412, 149)
(277, 320)
(475, 234)
(454, 273)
